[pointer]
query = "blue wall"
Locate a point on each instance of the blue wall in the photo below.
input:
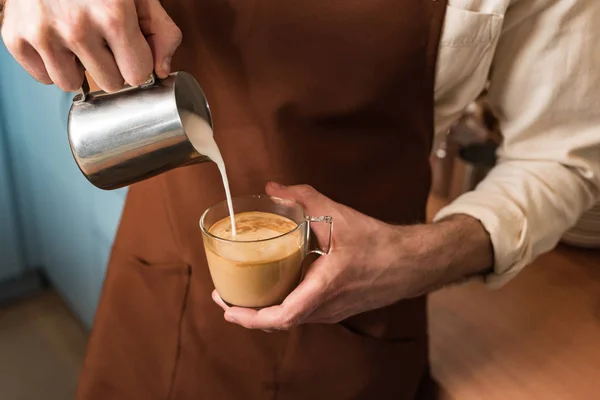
(68, 225)
(12, 262)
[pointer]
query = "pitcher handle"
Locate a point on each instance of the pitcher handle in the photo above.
(84, 90)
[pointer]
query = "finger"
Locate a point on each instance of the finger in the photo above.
(99, 61)
(307, 297)
(217, 299)
(30, 59)
(84, 39)
(63, 68)
(131, 51)
(60, 63)
(300, 193)
(161, 32)
(307, 196)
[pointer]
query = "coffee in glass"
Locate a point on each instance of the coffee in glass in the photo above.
(262, 263)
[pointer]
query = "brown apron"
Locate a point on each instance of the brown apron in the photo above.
(336, 94)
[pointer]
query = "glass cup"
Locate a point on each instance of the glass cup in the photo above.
(259, 273)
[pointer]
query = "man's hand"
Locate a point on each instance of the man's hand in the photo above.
(372, 264)
(114, 40)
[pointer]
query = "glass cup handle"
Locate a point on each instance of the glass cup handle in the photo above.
(325, 220)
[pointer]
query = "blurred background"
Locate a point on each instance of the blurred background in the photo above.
(536, 338)
(54, 228)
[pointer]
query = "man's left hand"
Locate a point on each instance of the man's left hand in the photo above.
(372, 264)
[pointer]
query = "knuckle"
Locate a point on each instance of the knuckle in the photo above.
(170, 30)
(75, 36)
(6, 33)
(74, 28)
(177, 35)
(113, 20)
(13, 42)
(288, 322)
(12, 37)
(75, 33)
(39, 37)
(305, 190)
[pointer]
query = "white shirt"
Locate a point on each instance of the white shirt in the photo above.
(543, 61)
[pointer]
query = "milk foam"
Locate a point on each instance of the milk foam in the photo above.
(253, 230)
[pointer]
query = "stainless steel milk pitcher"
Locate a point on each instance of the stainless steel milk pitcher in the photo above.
(136, 133)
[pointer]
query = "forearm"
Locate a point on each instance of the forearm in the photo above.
(445, 252)
(463, 248)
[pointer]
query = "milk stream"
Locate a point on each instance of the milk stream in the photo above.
(201, 137)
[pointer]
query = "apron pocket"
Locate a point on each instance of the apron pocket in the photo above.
(134, 345)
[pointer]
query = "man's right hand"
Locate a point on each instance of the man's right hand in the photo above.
(116, 41)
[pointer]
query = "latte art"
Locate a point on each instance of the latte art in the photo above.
(253, 225)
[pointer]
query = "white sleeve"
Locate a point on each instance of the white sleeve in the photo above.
(545, 90)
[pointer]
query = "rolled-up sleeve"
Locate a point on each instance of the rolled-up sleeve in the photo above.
(545, 90)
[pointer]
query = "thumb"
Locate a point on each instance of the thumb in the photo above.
(314, 204)
(304, 195)
(163, 36)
